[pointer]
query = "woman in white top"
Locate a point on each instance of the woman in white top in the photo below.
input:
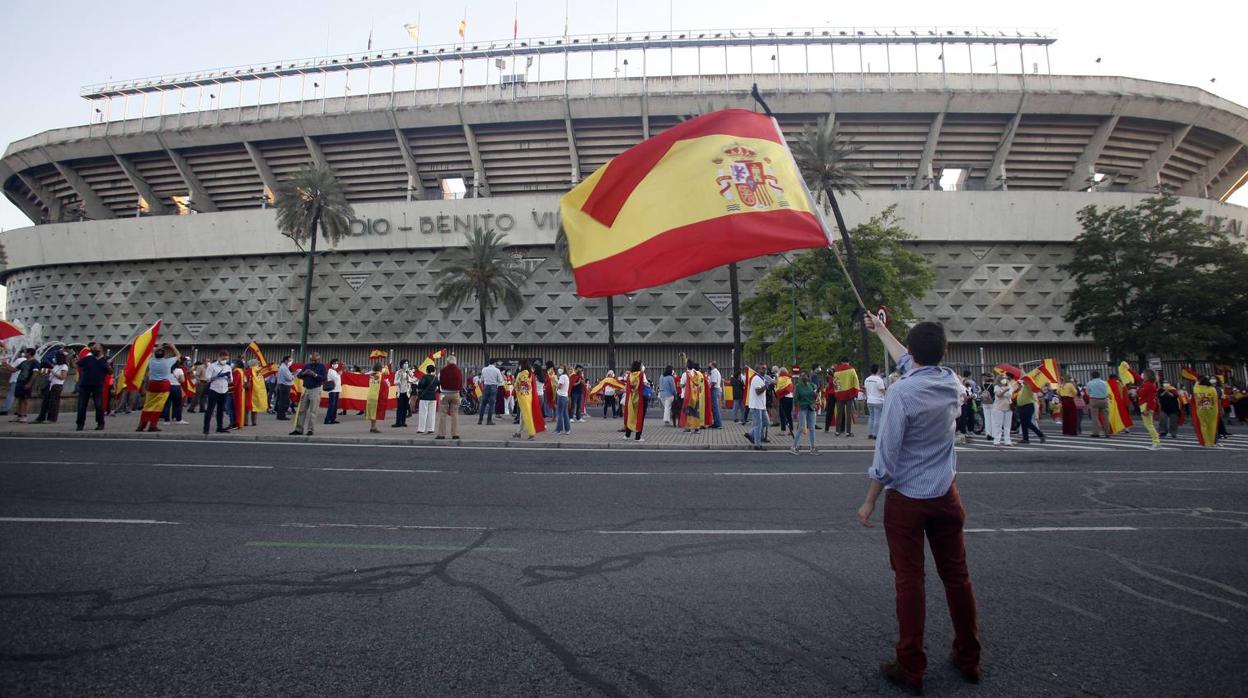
(51, 407)
(563, 422)
(334, 378)
(999, 415)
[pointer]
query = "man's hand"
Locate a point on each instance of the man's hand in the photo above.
(871, 322)
(864, 514)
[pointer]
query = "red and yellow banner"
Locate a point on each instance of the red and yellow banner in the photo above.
(723, 184)
(1205, 414)
(1119, 413)
(136, 360)
(1043, 375)
(609, 381)
(1188, 374)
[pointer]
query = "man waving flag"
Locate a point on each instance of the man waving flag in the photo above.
(723, 183)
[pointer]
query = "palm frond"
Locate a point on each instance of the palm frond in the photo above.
(312, 194)
(823, 156)
(484, 269)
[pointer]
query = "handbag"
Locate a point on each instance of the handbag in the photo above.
(329, 386)
(647, 392)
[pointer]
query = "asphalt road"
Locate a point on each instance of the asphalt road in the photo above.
(181, 568)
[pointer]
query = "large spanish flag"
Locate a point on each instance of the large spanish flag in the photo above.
(1119, 417)
(136, 360)
(712, 190)
(1205, 414)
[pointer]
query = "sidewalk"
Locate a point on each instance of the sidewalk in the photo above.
(594, 432)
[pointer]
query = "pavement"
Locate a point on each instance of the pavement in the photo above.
(157, 566)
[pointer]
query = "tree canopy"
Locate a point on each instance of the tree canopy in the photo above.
(1155, 279)
(483, 269)
(312, 197)
(827, 318)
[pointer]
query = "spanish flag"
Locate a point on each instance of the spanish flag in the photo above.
(430, 363)
(1188, 374)
(1126, 374)
(1205, 414)
(526, 402)
(784, 385)
(609, 381)
(136, 360)
(715, 189)
(1119, 417)
(1043, 375)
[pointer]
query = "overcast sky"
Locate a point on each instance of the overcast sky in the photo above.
(52, 49)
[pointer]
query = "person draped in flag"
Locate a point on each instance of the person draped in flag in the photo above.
(635, 401)
(1118, 414)
(1149, 406)
(1070, 411)
(845, 387)
(784, 396)
(159, 377)
(240, 387)
(1206, 411)
(259, 401)
(378, 390)
(549, 392)
(527, 406)
(695, 393)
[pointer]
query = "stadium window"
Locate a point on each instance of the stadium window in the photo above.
(952, 178)
(453, 188)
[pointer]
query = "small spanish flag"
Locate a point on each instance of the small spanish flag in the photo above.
(463, 27)
(1044, 374)
(1189, 374)
(430, 362)
(712, 190)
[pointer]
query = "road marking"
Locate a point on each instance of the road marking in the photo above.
(1186, 609)
(376, 470)
(713, 532)
(33, 519)
(55, 462)
(205, 465)
(388, 527)
(816, 472)
(374, 546)
(1058, 529)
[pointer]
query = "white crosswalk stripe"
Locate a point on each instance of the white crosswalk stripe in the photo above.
(1138, 440)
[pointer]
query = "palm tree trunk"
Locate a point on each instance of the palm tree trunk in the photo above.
(307, 288)
(855, 277)
(735, 291)
(611, 332)
(485, 349)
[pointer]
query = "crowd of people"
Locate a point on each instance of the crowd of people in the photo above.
(232, 390)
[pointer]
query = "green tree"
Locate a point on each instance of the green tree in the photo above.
(311, 200)
(485, 270)
(827, 321)
(823, 156)
(1154, 279)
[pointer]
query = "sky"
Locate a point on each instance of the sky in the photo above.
(50, 50)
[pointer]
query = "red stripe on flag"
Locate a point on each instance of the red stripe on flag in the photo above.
(693, 248)
(626, 170)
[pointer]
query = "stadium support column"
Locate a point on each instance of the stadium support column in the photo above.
(573, 157)
(155, 207)
(29, 208)
(480, 185)
(924, 177)
(1225, 184)
(49, 201)
(314, 150)
(1085, 168)
(1149, 176)
(415, 189)
(267, 177)
(92, 204)
(1200, 181)
(996, 172)
(199, 196)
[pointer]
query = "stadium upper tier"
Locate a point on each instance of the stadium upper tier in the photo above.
(993, 132)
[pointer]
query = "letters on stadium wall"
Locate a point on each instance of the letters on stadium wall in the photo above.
(448, 224)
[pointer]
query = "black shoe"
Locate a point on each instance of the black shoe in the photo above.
(283, 419)
(99, 427)
(748, 438)
(223, 431)
(488, 424)
(309, 432)
(892, 673)
(293, 433)
(79, 428)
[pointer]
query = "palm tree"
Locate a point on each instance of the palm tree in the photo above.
(485, 270)
(311, 200)
(823, 156)
(565, 259)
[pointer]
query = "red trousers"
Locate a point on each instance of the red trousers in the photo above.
(906, 521)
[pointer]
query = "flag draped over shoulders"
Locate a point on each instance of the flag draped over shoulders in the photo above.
(634, 412)
(527, 403)
(1205, 413)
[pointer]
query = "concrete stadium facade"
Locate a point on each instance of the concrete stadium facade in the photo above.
(1029, 150)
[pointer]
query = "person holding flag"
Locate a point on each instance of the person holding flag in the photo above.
(378, 391)
(784, 396)
(527, 405)
(240, 395)
(1206, 411)
(159, 378)
(93, 370)
(635, 388)
(695, 394)
(259, 399)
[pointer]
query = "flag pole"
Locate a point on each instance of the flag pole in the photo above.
(818, 208)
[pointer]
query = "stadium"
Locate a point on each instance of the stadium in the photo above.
(987, 164)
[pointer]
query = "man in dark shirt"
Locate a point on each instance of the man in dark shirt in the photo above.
(313, 375)
(452, 380)
(26, 370)
(92, 370)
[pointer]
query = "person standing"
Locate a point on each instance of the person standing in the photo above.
(756, 396)
(1098, 404)
(51, 407)
(217, 376)
(427, 414)
(285, 382)
(667, 393)
(577, 392)
(92, 370)
(172, 411)
(740, 413)
(258, 400)
(1001, 412)
(717, 395)
(916, 463)
(451, 378)
(491, 383)
(25, 384)
(845, 378)
(635, 386)
(333, 389)
(784, 400)
(875, 389)
(1149, 407)
(313, 375)
(159, 381)
(201, 386)
(378, 390)
(1026, 402)
(1168, 400)
(403, 388)
(563, 416)
(1068, 394)
(11, 396)
(804, 395)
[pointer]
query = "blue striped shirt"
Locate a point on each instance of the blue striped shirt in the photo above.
(914, 451)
